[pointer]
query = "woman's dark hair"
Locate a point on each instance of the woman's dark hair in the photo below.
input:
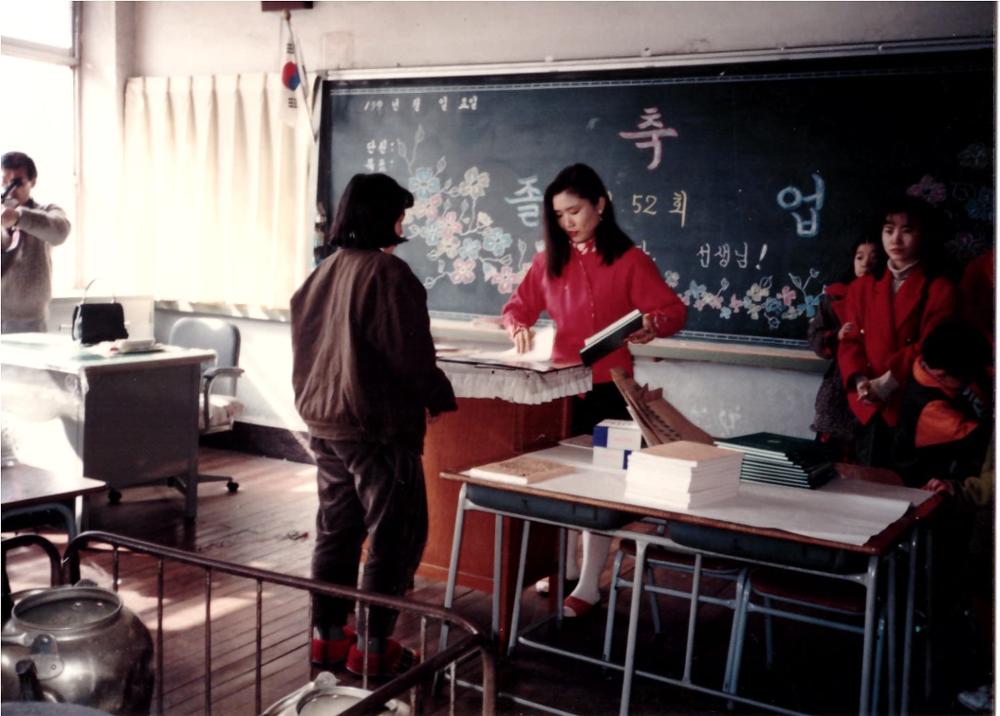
(880, 258)
(933, 232)
(610, 241)
(368, 211)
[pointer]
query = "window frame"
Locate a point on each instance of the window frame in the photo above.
(68, 57)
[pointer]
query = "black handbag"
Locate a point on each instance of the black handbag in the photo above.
(96, 322)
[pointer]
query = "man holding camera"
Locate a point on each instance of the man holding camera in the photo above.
(30, 230)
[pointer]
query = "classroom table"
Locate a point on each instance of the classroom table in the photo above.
(605, 490)
(27, 489)
(126, 419)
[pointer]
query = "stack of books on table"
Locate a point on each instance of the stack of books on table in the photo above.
(782, 460)
(614, 441)
(682, 474)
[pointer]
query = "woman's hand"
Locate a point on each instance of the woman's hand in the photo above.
(644, 334)
(521, 335)
(866, 394)
(848, 329)
(936, 485)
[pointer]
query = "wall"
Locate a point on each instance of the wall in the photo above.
(184, 37)
(180, 38)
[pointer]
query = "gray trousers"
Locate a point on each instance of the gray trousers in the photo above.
(367, 490)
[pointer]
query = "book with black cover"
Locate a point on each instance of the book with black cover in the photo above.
(610, 337)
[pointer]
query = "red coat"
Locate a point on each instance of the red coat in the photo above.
(588, 296)
(891, 331)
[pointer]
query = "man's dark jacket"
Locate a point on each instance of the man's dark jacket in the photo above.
(363, 359)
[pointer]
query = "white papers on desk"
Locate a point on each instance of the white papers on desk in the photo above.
(847, 511)
(541, 349)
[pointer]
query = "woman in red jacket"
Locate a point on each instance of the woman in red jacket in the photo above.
(890, 317)
(590, 275)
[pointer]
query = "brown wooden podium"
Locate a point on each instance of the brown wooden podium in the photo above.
(483, 430)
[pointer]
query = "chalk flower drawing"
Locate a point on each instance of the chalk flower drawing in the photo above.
(445, 217)
(929, 189)
(757, 302)
(463, 271)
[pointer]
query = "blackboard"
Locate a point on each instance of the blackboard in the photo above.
(746, 184)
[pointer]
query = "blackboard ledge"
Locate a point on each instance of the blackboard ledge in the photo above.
(800, 359)
(488, 330)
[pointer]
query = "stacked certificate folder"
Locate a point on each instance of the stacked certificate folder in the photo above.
(682, 474)
(521, 470)
(782, 460)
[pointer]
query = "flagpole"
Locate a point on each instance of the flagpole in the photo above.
(303, 74)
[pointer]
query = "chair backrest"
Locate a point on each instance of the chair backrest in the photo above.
(210, 334)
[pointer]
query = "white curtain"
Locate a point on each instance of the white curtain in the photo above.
(215, 203)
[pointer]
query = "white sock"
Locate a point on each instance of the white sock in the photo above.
(572, 566)
(595, 555)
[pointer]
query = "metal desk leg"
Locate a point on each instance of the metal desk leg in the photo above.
(911, 583)
(692, 617)
(929, 595)
(519, 587)
(561, 577)
(891, 634)
(456, 550)
(190, 482)
(871, 587)
(497, 551)
(735, 632)
(633, 626)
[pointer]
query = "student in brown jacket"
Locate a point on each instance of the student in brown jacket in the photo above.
(365, 378)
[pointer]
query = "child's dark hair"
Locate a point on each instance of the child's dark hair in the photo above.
(878, 269)
(368, 211)
(958, 349)
(610, 241)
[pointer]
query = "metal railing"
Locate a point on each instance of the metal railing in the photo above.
(418, 680)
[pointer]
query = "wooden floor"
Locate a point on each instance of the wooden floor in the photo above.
(269, 524)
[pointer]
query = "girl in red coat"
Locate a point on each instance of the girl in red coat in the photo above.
(834, 423)
(889, 317)
(590, 275)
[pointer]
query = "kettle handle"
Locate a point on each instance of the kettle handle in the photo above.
(27, 678)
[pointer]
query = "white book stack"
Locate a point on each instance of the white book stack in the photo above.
(613, 441)
(682, 474)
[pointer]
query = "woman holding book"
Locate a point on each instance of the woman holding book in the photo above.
(589, 276)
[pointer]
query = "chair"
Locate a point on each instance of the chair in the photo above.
(661, 558)
(804, 598)
(218, 406)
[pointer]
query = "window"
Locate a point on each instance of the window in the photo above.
(38, 63)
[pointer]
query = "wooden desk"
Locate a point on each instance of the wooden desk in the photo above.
(124, 419)
(27, 489)
(502, 410)
(878, 548)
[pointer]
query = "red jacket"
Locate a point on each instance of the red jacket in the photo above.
(588, 296)
(891, 329)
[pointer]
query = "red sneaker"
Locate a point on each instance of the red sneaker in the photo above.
(394, 660)
(328, 653)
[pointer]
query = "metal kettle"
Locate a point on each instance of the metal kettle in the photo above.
(77, 644)
(325, 697)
